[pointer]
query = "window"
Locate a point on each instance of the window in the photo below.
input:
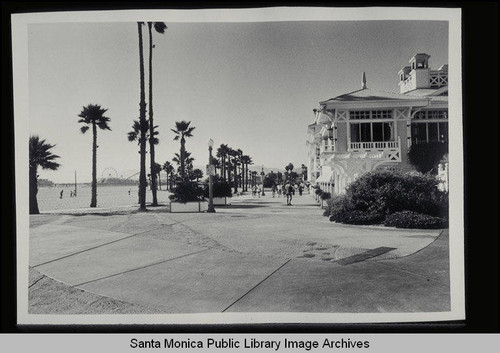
(372, 132)
(428, 126)
(370, 114)
(425, 132)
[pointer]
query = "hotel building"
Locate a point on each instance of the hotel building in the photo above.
(367, 130)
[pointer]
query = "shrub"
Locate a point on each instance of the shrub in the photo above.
(338, 205)
(410, 219)
(220, 188)
(388, 192)
(186, 191)
(358, 217)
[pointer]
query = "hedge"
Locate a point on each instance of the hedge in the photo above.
(410, 219)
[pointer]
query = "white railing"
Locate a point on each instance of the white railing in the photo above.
(383, 145)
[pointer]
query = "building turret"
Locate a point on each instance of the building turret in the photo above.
(415, 76)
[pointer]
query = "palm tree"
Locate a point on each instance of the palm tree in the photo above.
(197, 174)
(169, 169)
(93, 114)
(216, 163)
(235, 162)
(160, 28)
(135, 133)
(39, 155)
(188, 161)
(245, 161)
(143, 124)
(222, 153)
(182, 130)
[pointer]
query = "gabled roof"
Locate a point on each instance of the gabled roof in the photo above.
(368, 94)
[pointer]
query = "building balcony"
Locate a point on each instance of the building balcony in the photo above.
(326, 149)
(374, 145)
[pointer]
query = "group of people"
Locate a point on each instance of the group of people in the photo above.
(288, 189)
(71, 193)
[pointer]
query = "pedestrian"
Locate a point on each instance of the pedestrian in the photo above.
(289, 194)
(129, 191)
(274, 190)
(61, 194)
(300, 189)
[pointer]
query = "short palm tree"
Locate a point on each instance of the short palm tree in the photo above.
(93, 115)
(182, 130)
(39, 156)
(159, 27)
(197, 174)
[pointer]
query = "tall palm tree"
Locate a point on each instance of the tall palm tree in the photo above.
(216, 163)
(39, 156)
(235, 161)
(182, 130)
(160, 28)
(222, 153)
(169, 169)
(93, 115)
(143, 124)
(229, 166)
(135, 133)
(246, 161)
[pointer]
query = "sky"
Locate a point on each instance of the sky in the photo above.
(252, 86)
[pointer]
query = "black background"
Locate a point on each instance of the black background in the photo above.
(480, 125)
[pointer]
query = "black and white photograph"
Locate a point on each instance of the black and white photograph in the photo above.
(273, 165)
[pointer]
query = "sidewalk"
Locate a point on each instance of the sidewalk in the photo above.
(257, 255)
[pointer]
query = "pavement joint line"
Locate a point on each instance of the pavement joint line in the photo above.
(95, 247)
(38, 280)
(411, 273)
(258, 284)
(140, 268)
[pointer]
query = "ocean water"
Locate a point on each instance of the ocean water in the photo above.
(107, 196)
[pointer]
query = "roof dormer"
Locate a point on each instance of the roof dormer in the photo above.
(420, 61)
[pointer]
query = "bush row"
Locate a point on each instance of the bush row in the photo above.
(393, 199)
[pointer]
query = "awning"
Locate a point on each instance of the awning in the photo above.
(325, 177)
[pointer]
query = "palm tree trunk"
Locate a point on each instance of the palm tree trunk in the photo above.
(142, 118)
(235, 177)
(228, 170)
(93, 202)
(151, 126)
(33, 191)
(183, 141)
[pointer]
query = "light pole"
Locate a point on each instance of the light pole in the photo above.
(262, 173)
(211, 208)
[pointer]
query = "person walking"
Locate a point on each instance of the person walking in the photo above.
(289, 194)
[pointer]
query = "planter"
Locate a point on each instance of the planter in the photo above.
(193, 206)
(221, 201)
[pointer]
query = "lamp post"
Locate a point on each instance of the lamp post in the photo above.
(262, 173)
(211, 208)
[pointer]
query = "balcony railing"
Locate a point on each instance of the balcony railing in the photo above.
(382, 145)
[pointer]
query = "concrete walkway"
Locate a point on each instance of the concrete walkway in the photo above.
(257, 255)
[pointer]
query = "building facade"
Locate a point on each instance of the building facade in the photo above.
(367, 129)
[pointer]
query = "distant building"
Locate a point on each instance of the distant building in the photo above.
(369, 130)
